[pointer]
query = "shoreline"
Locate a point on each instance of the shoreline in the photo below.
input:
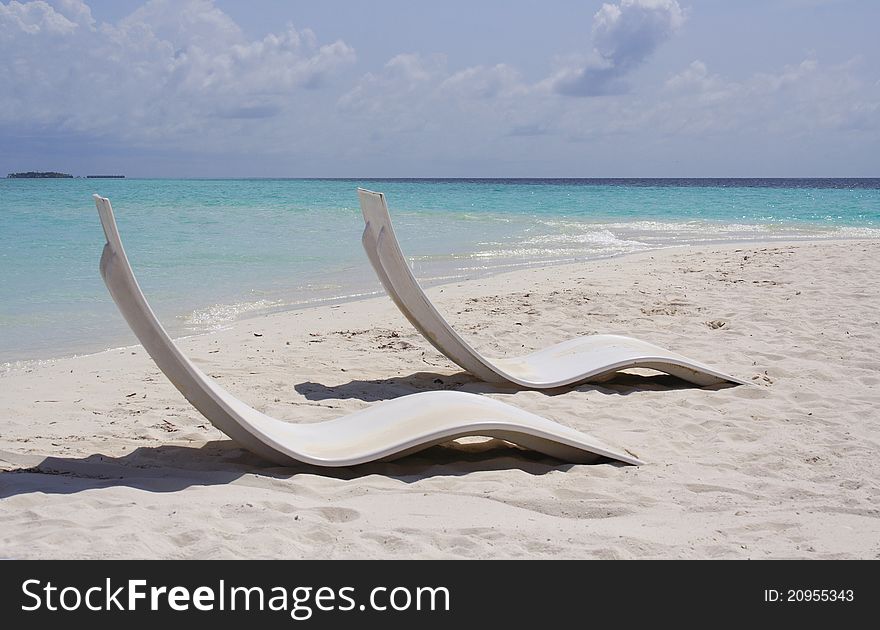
(379, 293)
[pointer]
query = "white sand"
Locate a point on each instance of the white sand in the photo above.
(101, 457)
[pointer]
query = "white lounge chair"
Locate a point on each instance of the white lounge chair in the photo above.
(385, 430)
(590, 358)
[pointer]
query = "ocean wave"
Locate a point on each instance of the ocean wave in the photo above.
(586, 235)
(541, 254)
(854, 232)
(218, 316)
(689, 227)
(713, 229)
(317, 301)
(507, 266)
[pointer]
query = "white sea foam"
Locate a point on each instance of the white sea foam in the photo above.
(217, 316)
(341, 297)
(587, 235)
(854, 232)
(702, 227)
(221, 316)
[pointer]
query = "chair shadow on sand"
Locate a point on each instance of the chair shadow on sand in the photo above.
(170, 468)
(622, 384)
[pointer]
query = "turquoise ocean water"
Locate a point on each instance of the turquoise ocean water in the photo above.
(208, 252)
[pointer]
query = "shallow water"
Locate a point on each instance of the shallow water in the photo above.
(207, 252)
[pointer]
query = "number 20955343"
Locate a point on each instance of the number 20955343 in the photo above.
(809, 595)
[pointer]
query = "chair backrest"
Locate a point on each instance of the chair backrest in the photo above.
(227, 413)
(383, 250)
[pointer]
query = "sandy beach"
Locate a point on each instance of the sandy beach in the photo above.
(101, 458)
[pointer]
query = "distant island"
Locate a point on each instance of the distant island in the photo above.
(54, 175)
(39, 175)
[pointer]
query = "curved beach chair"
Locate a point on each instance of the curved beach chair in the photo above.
(591, 358)
(385, 430)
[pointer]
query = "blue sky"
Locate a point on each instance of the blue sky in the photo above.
(393, 88)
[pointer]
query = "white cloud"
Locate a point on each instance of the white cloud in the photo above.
(168, 70)
(624, 36)
(412, 68)
(399, 94)
(487, 82)
(416, 93)
(36, 18)
(182, 74)
(800, 99)
(419, 108)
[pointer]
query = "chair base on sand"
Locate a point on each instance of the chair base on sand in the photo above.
(383, 431)
(592, 358)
